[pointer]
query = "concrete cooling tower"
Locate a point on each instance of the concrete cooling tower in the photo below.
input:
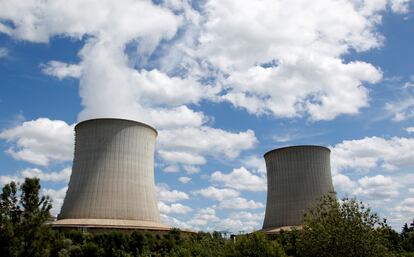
(296, 177)
(112, 181)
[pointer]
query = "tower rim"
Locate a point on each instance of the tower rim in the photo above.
(116, 119)
(296, 146)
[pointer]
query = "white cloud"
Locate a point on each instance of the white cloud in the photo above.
(240, 179)
(240, 203)
(378, 187)
(57, 197)
(373, 152)
(269, 90)
(400, 6)
(401, 110)
(106, 66)
(40, 141)
(165, 194)
(6, 179)
(292, 46)
(255, 68)
(171, 168)
(62, 70)
(410, 129)
(173, 208)
(189, 144)
(231, 224)
(3, 52)
(247, 216)
(256, 163)
(109, 20)
(181, 157)
(217, 193)
(184, 180)
(406, 207)
(203, 217)
(60, 176)
(343, 183)
(174, 222)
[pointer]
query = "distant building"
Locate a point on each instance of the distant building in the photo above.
(296, 177)
(112, 182)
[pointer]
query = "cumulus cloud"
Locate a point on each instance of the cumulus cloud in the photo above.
(240, 179)
(60, 176)
(165, 194)
(400, 6)
(174, 222)
(406, 207)
(373, 152)
(256, 163)
(62, 70)
(352, 157)
(203, 217)
(240, 203)
(297, 70)
(184, 180)
(3, 52)
(40, 141)
(189, 145)
(50, 176)
(231, 224)
(217, 193)
(176, 208)
(57, 196)
(378, 187)
(6, 179)
(401, 110)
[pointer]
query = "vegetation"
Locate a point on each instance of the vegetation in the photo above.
(331, 228)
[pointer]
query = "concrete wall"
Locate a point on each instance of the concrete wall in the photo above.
(113, 172)
(296, 177)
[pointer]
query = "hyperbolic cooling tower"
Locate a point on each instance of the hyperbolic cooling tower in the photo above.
(112, 181)
(296, 177)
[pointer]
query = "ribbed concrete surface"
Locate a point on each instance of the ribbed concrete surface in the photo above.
(113, 175)
(111, 223)
(296, 177)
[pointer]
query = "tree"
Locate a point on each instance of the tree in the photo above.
(254, 245)
(342, 228)
(9, 217)
(22, 232)
(407, 236)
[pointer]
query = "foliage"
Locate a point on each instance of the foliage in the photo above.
(331, 228)
(407, 236)
(21, 230)
(342, 228)
(254, 245)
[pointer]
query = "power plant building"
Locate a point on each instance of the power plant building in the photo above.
(296, 177)
(112, 182)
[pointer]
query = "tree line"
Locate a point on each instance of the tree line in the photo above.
(331, 227)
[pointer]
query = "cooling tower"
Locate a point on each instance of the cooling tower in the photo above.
(296, 177)
(112, 181)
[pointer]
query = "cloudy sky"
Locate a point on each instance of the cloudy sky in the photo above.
(223, 82)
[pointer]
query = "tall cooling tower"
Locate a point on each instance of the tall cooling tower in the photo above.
(296, 177)
(112, 181)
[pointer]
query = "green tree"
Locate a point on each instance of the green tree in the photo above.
(35, 212)
(201, 245)
(407, 236)
(342, 228)
(22, 232)
(9, 218)
(254, 245)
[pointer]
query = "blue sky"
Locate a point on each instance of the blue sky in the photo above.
(223, 82)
